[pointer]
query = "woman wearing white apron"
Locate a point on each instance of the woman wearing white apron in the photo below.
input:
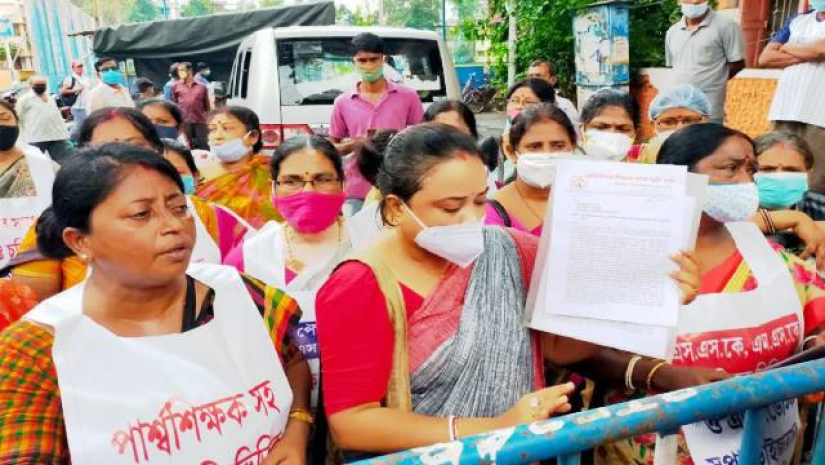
(146, 362)
(26, 177)
(756, 305)
(219, 230)
(300, 255)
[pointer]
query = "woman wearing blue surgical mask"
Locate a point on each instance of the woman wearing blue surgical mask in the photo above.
(240, 178)
(749, 290)
(540, 137)
(609, 121)
(784, 163)
(421, 335)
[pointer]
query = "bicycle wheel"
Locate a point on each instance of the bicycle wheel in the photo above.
(475, 101)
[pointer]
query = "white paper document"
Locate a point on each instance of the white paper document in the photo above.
(603, 264)
(615, 226)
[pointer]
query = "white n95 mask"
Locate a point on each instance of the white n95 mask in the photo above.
(607, 146)
(539, 169)
(460, 244)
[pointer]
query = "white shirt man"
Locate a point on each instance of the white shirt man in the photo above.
(41, 123)
(112, 91)
(799, 50)
(544, 70)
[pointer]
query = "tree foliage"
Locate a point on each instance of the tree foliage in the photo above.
(144, 10)
(358, 17)
(111, 11)
(545, 31)
(198, 8)
(271, 3)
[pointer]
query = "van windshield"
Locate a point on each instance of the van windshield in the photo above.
(313, 71)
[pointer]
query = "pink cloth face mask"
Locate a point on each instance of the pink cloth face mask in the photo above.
(310, 212)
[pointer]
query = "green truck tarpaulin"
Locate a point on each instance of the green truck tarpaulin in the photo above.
(211, 39)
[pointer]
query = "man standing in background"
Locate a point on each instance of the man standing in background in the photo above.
(544, 70)
(375, 103)
(41, 123)
(73, 92)
(112, 92)
(173, 78)
(799, 50)
(193, 100)
(705, 50)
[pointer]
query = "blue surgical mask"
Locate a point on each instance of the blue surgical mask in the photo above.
(166, 132)
(694, 11)
(781, 190)
(818, 5)
(230, 151)
(728, 203)
(112, 76)
(188, 184)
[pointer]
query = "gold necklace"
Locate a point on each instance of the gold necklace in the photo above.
(527, 204)
(294, 263)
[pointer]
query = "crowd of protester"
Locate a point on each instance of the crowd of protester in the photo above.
(146, 274)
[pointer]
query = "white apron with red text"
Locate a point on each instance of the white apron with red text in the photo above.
(744, 332)
(265, 259)
(216, 394)
(18, 214)
(206, 250)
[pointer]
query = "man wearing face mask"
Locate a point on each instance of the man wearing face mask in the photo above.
(376, 103)
(41, 123)
(193, 100)
(113, 92)
(705, 50)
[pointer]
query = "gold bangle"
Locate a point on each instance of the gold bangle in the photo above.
(653, 372)
(302, 415)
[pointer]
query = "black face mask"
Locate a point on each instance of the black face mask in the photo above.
(39, 88)
(8, 136)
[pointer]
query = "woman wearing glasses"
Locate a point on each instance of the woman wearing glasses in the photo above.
(299, 255)
(683, 106)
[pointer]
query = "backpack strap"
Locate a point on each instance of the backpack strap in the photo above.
(501, 211)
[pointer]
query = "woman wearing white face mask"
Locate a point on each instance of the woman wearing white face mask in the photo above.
(750, 291)
(421, 335)
(240, 180)
(540, 137)
(609, 121)
(683, 106)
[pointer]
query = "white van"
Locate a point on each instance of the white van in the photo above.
(291, 76)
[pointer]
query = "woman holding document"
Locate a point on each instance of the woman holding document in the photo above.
(422, 337)
(540, 137)
(757, 304)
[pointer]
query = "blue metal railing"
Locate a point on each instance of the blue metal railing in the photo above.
(565, 437)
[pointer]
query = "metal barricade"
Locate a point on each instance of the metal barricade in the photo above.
(565, 437)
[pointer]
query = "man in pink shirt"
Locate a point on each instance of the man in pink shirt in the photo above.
(375, 104)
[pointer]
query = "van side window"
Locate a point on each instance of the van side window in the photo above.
(314, 71)
(233, 77)
(244, 72)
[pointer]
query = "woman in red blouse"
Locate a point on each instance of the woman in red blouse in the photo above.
(421, 336)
